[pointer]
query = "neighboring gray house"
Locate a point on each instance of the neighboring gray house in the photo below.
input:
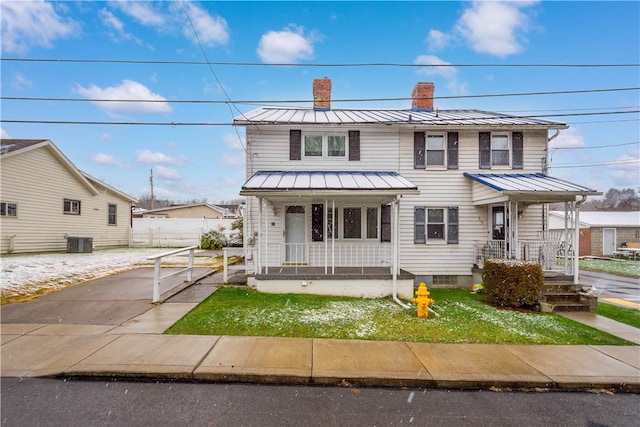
(46, 200)
(368, 201)
(601, 233)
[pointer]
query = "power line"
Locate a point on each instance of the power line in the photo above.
(176, 124)
(263, 102)
(283, 64)
(621, 162)
(596, 146)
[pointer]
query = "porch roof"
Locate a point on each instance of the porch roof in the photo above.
(534, 188)
(327, 182)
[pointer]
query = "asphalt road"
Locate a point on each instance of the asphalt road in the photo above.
(608, 285)
(69, 403)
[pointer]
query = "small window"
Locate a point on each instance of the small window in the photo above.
(435, 224)
(352, 223)
(71, 207)
(313, 145)
(435, 150)
(336, 146)
(499, 150)
(113, 209)
(8, 209)
(372, 223)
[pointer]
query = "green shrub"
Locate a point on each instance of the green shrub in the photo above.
(213, 240)
(509, 283)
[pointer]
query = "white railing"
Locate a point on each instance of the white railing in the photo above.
(319, 255)
(544, 252)
(157, 266)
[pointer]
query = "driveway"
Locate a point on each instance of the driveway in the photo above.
(612, 286)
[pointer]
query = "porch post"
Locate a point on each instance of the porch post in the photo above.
(266, 241)
(516, 241)
(566, 237)
(260, 235)
(324, 233)
(334, 228)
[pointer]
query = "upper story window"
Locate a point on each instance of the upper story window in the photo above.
(316, 145)
(112, 215)
(435, 150)
(501, 149)
(71, 207)
(8, 209)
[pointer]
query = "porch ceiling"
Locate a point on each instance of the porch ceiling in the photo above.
(327, 183)
(528, 188)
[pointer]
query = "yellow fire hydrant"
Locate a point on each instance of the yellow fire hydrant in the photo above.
(422, 300)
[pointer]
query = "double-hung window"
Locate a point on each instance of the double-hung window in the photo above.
(8, 209)
(317, 145)
(435, 150)
(356, 222)
(113, 210)
(434, 224)
(71, 207)
(499, 149)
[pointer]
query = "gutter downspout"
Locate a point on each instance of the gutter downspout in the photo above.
(395, 207)
(576, 239)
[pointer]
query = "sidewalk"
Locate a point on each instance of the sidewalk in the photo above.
(109, 347)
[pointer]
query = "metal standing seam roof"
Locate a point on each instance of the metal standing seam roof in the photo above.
(529, 183)
(321, 180)
(302, 116)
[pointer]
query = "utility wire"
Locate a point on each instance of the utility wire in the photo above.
(614, 163)
(596, 146)
(282, 64)
(263, 102)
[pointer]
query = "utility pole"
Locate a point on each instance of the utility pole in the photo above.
(151, 182)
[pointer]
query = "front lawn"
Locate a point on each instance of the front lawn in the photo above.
(622, 267)
(464, 318)
(629, 316)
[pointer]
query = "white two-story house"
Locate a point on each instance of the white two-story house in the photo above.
(369, 202)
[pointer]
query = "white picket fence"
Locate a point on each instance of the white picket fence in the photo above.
(175, 232)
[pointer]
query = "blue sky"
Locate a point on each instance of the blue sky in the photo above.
(207, 162)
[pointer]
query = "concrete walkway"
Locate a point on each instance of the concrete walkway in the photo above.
(108, 345)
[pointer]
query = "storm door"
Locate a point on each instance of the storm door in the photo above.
(294, 232)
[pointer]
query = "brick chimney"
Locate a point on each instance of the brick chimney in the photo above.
(322, 94)
(422, 97)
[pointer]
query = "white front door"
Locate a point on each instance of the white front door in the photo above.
(294, 235)
(608, 241)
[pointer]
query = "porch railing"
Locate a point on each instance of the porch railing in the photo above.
(319, 255)
(548, 253)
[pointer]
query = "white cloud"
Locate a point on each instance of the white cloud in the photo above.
(435, 66)
(437, 40)
(569, 138)
(105, 137)
(108, 160)
(143, 12)
(26, 24)
(287, 46)
(4, 135)
(233, 141)
(167, 173)
(212, 30)
(493, 27)
(129, 89)
(110, 20)
(625, 170)
(20, 82)
(151, 157)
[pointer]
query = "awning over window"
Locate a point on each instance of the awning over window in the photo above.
(320, 182)
(533, 188)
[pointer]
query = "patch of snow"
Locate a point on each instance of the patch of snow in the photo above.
(27, 274)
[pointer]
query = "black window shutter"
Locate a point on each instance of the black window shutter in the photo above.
(452, 150)
(452, 225)
(295, 144)
(385, 223)
(517, 142)
(485, 150)
(419, 149)
(317, 222)
(354, 145)
(419, 225)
